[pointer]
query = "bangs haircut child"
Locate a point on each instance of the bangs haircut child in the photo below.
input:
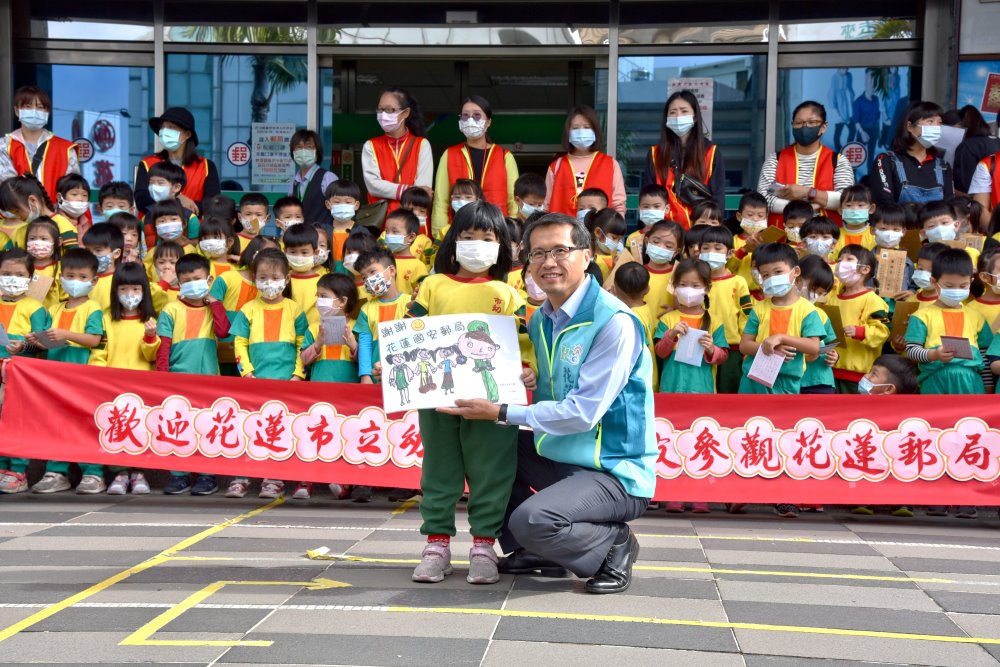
(902, 370)
(797, 209)
(190, 263)
(713, 235)
(821, 225)
(654, 190)
(409, 219)
(128, 274)
(77, 259)
(670, 226)
(930, 251)
(889, 214)
(253, 199)
(71, 182)
(934, 209)
(815, 271)
(694, 237)
(854, 193)
(412, 197)
(774, 253)
(709, 209)
(301, 235)
(951, 261)
(609, 221)
(116, 190)
(595, 192)
(165, 208)
(752, 200)
(632, 279)
(168, 249)
(104, 236)
(377, 255)
(467, 186)
(476, 216)
(526, 185)
(126, 222)
(344, 287)
(212, 226)
(255, 245)
(18, 256)
(344, 188)
(49, 226)
(272, 257)
(174, 174)
(286, 202)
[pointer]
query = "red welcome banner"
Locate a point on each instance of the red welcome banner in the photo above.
(920, 450)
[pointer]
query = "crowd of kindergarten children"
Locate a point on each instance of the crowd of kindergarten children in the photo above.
(241, 289)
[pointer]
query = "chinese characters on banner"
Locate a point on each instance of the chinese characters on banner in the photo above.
(272, 156)
(428, 362)
(830, 449)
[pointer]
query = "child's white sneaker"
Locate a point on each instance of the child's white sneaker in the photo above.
(90, 485)
(140, 487)
(51, 482)
(271, 488)
(119, 485)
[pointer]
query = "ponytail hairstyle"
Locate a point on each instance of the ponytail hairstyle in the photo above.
(15, 192)
(704, 272)
(415, 121)
(687, 158)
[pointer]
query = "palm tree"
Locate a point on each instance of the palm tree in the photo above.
(885, 29)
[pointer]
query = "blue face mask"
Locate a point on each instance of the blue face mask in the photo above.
(33, 119)
(171, 139)
(611, 248)
(582, 137)
(527, 210)
(581, 214)
(855, 217)
(76, 288)
(112, 211)
(342, 211)
(716, 260)
(922, 279)
(953, 298)
(649, 216)
(658, 255)
(457, 204)
(195, 290)
(941, 233)
(778, 285)
(395, 242)
(103, 263)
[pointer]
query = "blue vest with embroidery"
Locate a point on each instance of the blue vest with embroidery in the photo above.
(623, 442)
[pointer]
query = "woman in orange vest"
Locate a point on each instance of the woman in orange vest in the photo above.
(583, 166)
(401, 158)
(33, 150)
(985, 185)
(805, 170)
(489, 165)
(175, 130)
(684, 151)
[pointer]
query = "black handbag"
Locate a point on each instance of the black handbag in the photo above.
(690, 191)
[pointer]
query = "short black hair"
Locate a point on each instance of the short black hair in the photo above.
(754, 199)
(715, 234)
(855, 193)
(162, 209)
(253, 199)
(78, 258)
(580, 236)
(170, 171)
(608, 220)
(285, 202)
(342, 286)
(302, 136)
(115, 190)
(408, 217)
(466, 186)
(889, 214)
(218, 206)
(125, 221)
(528, 185)
(952, 261)
(819, 224)
(71, 182)
(378, 255)
(104, 236)
(131, 273)
(191, 262)
(212, 226)
(933, 209)
(632, 279)
(272, 257)
(342, 188)
(708, 207)
(168, 249)
(594, 192)
(253, 247)
(903, 372)
(696, 235)
(773, 253)
(811, 104)
(20, 256)
(815, 270)
(360, 240)
(482, 216)
(654, 190)
(931, 250)
(796, 209)
(515, 229)
(670, 226)
(415, 197)
(300, 235)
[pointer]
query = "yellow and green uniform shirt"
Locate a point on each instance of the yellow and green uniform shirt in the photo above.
(268, 339)
(661, 289)
(729, 304)
(818, 373)
(958, 376)
(192, 335)
(741, 265)
(867, 310)
(334, 363)
(864, 238)
(800, 320)
(20, 318)
(102, 290)
(373, 313)
(410, 271)
(679, 378)
(87, 318)
(990, 310)
(125, 345)
(234, 290)
(55, 293)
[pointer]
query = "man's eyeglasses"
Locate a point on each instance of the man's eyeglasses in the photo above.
(560, 254)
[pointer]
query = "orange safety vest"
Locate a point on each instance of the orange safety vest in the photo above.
(494, 179)
(387, 161)
(55, 161)
(196, 173)
(990, 163)
(677, 211)
(600, 174)
(787, 173)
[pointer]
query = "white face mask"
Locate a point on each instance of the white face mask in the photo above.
(74, 208)
(476, 256)
(457, 204)
(269, 289)
(922, 279)
(342, 211)
(321, 256)
(680, 125)
(33, 119)
(888, 238)
(649, 216)
(159, 193)
(690, 296)
(301, 263)
(821, 247)
(349, 261)
(388, 121)
(213, 247)
(14, 285)
(472, 128)
(535, 293)
(328, 306)
(40, 249)
(168, 231)
(793, 234)
(941, 233)
(930, 135)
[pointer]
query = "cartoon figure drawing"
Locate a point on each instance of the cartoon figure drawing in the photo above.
(476, 344)
(448, 380)
(401, 376)
(425, 368)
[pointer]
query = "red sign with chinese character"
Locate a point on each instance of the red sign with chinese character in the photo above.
(801, 449)
(991, 94)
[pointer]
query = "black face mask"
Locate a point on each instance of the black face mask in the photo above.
(805, 136)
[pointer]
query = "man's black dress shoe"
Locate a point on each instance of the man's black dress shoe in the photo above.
(522, 561)
(615, 574)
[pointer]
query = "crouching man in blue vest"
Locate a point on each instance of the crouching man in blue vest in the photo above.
(590, 466)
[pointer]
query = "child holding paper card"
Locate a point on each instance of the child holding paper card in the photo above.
(815, 283)
(784, 323)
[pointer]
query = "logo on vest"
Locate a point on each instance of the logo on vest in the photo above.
(571, 355)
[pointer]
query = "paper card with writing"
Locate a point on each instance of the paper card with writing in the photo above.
(334, 327)
(901, 317)
(689, 350)
(911, 243)
(772, 234)
(40, 286)
(960, 346)
(766, 368)
(428, 362)
(47, 342)
(976, 241)
(833, 312)
(891, 270)
(827, 348)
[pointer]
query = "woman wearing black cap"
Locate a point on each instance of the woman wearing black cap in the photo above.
(175, 130)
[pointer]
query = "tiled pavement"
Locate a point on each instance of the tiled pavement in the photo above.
(109, 581)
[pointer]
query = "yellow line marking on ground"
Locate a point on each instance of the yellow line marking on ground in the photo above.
(319, 554)
(402, 509)
(143, 636)
(152, 562)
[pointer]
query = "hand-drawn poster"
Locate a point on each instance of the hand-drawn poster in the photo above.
(428, 362)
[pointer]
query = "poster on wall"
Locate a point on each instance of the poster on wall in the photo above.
(272, 157)
(428, 362)
(979, 85)
(704, 90)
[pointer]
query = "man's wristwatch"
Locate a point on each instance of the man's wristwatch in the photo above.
(502, 415)
(812, 194)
